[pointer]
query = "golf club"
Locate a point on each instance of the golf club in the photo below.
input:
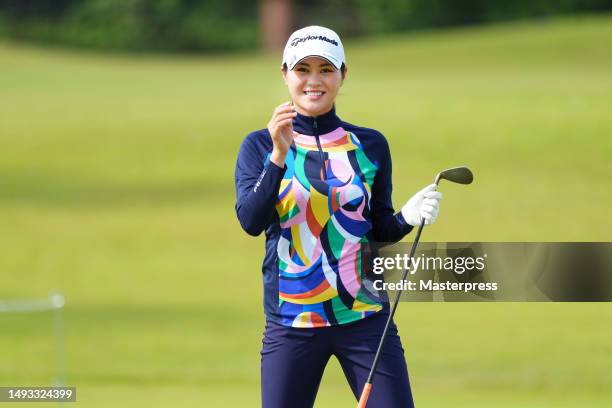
(460, 175)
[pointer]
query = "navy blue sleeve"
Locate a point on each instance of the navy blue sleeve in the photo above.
(257, 185)
(386, 226)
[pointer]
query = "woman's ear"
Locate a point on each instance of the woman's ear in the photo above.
(284, 73)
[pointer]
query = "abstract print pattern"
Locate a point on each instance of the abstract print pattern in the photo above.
(323, 206)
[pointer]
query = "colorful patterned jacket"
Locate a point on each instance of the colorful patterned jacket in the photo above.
(333, 195)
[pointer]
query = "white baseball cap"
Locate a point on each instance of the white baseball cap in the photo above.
(314, 41)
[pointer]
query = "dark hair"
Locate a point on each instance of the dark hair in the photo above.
(342, 69)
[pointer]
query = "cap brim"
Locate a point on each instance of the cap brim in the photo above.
(337, 65)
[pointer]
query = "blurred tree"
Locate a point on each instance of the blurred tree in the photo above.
(276, 22)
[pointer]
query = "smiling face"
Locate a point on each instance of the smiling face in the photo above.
(313, 85)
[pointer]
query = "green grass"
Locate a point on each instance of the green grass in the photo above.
(116, 188)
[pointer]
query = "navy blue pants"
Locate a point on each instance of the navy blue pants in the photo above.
(293, 361)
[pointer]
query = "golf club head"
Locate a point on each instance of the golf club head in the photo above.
(461, 175)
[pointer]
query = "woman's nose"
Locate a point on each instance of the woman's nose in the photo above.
(314, 78)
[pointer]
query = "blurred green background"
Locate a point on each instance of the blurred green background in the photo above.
(116, 188)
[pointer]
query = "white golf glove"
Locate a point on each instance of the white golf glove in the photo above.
(423, 205)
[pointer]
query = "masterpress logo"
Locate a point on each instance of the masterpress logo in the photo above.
(298, 40)
(458, 265)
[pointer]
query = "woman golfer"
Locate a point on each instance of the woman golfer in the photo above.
(320, 188)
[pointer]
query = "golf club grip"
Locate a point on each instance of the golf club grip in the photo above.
(365, 394)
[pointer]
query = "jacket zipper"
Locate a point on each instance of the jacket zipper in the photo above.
(321, 159)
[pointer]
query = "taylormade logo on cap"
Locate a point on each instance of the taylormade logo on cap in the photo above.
(314, 41)
(296, 41)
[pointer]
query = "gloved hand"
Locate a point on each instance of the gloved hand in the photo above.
(423, 205)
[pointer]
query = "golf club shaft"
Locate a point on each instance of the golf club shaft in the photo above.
(363, 400)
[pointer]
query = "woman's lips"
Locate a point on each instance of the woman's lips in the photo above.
(314, 95)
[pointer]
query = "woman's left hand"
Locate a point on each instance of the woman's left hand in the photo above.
(423, 205)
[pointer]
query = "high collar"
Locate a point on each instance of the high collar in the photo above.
(316, 125)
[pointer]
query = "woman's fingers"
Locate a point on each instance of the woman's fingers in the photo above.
(431, 201)
(429, 218)
(281, 106)
(280, 127)
(283, 123)
(429, 214)
(284, 116)
(284, 108)
(284, 105)
(433, 194)
(428, 208)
